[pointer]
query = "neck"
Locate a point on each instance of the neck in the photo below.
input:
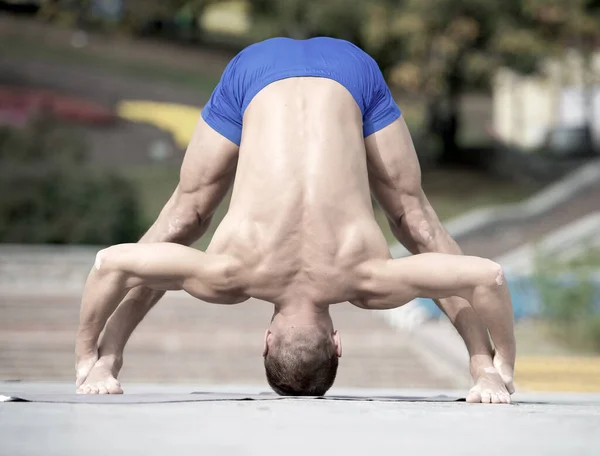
(301, 313)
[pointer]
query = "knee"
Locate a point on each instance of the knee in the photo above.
(184, 216)
(420, 226)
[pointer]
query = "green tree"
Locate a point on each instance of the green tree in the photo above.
(303, 19)
(136, 15)
(49, 193)
(440, 48)
(454, 45)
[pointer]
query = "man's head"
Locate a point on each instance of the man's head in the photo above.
(301, 360)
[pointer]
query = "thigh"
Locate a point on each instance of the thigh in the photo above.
(394, 170)
(208, 167)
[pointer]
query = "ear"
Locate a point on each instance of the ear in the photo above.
(337, 341)
(267, 342)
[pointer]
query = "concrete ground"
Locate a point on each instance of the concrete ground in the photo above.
(536, 425)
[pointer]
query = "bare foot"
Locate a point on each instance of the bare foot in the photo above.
(102, 379)
(489, 389)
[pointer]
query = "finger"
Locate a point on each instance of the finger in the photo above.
(84, 367)
(509, 385)
(84, 389)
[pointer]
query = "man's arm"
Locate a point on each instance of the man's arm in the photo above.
(206, 175)
(395, 179)
(158, 266)
(391, 283)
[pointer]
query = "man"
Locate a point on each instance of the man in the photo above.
(320, 129)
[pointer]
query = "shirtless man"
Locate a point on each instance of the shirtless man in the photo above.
(320, 130)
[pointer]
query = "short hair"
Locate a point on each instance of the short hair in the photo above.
(301, 362)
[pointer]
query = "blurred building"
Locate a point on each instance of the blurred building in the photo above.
(557, 110)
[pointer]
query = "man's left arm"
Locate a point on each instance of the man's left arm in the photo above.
(395, 179)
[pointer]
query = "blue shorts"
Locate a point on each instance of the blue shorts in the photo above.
(268, 61)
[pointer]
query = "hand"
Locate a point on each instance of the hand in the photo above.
(83, 366)
(506, 371)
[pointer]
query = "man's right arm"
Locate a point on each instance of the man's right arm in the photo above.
(159, 266)
(206, 175)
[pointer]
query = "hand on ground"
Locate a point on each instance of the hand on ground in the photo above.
(489, 389)
(83, 366)
(100, 380)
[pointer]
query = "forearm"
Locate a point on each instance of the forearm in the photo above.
(174, 224)
(102, 294)
(494, 305)
(128, 315)
(420, 231)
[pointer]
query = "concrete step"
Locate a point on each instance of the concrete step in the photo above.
(185, 340)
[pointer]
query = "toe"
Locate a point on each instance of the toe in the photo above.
(486, 397)
(93, 389)
(474, 397)
(114, 387)
(495, 398)
(102, 389)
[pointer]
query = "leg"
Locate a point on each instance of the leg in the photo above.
(206, 174)
(395, 178)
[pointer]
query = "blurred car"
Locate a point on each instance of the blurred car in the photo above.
(568, 142)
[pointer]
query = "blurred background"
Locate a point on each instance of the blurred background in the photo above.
(98, 99)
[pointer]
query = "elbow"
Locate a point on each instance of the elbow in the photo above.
(100, 263)
(496, 277)
(112, 265)
(492, 276)
(490, 283)
(108, 260)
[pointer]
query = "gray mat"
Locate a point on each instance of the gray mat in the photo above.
(200, 397)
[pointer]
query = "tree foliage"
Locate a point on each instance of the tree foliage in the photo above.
(436, 48)
(48, 193)
(441, 48)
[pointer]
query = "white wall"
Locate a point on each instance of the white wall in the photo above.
(526, 107)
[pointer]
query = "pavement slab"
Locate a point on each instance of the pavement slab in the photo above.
(548, 424)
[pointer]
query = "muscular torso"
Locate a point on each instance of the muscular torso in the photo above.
(301, 218)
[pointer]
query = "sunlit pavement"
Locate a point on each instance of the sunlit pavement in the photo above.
(547, 424)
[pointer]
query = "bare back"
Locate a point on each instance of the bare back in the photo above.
(301, 216)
